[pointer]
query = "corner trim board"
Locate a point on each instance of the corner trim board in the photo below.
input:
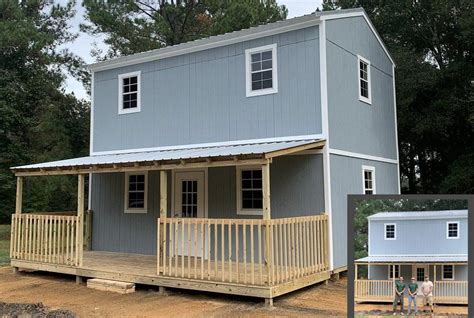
(361, 156)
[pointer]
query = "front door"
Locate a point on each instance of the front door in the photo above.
(419, 272)
(189, 202)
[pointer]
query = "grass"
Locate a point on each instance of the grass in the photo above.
(4, 244)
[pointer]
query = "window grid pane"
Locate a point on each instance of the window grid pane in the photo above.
(452, 230)
(368, 182)
(130, 92)
(262, 70)
(251, 185)
(364, 79)
(390, 231)
(448, 272)
(189, 199)
(136, 191)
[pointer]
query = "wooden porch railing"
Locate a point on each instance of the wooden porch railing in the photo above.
(55, 238)
(373, 290)
(246, 251)
(454, 292)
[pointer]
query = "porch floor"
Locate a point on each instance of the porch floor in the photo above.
(142, 269)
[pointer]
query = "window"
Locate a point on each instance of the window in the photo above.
(420, 274)
(129, 93)
(368, 179)
(189, 198)
(390, 231)
(448, 272)
(452, 230)
(364, 80)
(390, 271)
(249, 191)
(261, 70)
(136, 192)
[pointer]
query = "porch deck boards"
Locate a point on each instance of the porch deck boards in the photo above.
(142, 269)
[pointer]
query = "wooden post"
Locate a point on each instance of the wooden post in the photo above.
(163, 213)
(355, 271)
(266, 217)
(19, 195)
(80, 216)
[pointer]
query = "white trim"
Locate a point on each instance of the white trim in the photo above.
(248, 71)
(238, 178)
(122, 111)
(325, 129)
(447, 230)
(89, 193)
(442, 272)
(367, 100)
(371, 169)
(361, 156)
(369, 238)
(333, 16)
(91, 125)
(206, 192)
(389, 267)
(396, 127)
(385, 232)
(212, 144)
(125, 204)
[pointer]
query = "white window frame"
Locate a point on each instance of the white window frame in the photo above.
(248, 71)
(367, 100)
(127, 180)
(121, 110)
(442, 272)
(371, 169)
(394, 231)
(447, 230)
(390, 267)
(240, 210)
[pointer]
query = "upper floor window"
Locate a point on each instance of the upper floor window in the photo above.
(448, 272)
(452, 230)
(364, 80)
(390, 231)
(129, 93)
(261, 70)
(136, 192)
(249, 191)
(368, 179)
(390, 271)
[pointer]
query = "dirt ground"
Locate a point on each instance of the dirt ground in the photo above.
(380, 310)
(60, 293)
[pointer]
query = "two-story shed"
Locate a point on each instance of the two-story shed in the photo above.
(415, 244)
(223, 164)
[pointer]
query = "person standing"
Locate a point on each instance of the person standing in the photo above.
(399, 291)
(427, 290)
(412, 292)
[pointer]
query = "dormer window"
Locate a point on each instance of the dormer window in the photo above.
(129, 93)
(452, 230)
(261, 70)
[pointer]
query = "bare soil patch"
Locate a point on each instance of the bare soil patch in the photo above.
(53, 292)
(380, 310)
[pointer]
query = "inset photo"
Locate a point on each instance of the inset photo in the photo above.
(411, 257)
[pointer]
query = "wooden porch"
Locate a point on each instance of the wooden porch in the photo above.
(51, 243)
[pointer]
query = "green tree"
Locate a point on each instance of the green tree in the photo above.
(133, 26)
(432, 44)
(38, 120)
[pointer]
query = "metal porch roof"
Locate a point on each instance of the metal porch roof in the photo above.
(260, 150)
(413, 215)
(414, 259)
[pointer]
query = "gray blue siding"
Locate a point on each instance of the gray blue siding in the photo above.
(346, 178)
(418, 237)
(296, 190)
(377, 272)
(354, 125)
(200, 97)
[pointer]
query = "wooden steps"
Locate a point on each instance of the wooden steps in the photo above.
(111, 285)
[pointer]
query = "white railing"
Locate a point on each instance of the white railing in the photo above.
(454, 292)
(373, 290)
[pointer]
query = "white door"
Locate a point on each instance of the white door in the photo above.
(419, 272)
(189, 202)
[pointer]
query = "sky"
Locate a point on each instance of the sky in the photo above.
(83, 44)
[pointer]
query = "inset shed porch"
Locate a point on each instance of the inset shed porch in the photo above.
(261, 257)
